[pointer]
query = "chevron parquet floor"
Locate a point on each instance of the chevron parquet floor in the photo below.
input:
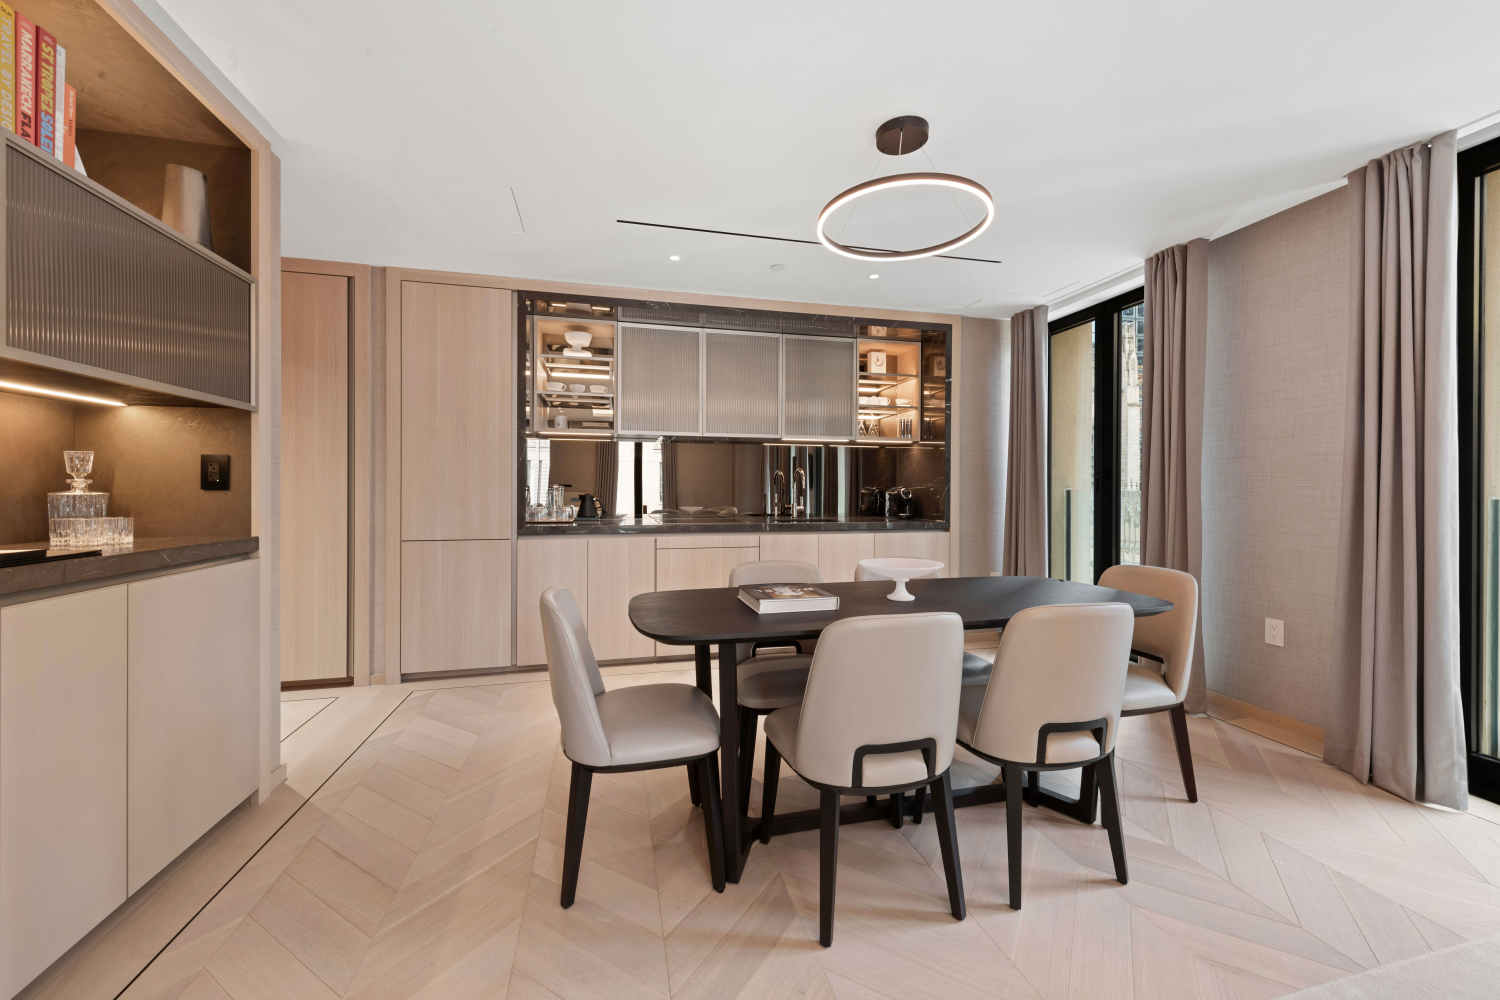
(428, 867)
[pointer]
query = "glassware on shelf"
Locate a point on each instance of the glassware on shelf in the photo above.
(90, 532)
(80, 501)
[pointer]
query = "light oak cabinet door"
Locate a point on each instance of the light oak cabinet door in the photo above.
(839, 552)
(62, 775)
(801, 546)
(194, 707)
(619, 569)
(455, 606)
(457, 411)
(542, 563)
(694, 569)
(314, 476)
(915, 545)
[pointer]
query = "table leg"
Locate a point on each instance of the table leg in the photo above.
(706, 685)
(729, 761)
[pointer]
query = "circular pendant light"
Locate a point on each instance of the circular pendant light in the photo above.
(898, 137)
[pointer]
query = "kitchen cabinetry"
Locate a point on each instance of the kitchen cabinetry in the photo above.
(839, 552)
(915, 545)
(619, 569)
(741, 384)
(660, 380)
(62, 775)
(818, 375)
(194, 713)
(700, 566)
(455, 606)
(542, 563)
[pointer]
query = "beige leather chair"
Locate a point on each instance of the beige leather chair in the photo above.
(637, 728)
(877, 718)
(976, 668)
(769, 678)
(1166, 639)
(1053, 704)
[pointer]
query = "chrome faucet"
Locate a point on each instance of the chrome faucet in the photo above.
(799, 488)
(778, 484)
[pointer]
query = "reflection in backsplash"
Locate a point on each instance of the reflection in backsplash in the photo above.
(753, 478)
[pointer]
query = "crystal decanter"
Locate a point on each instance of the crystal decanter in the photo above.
(80, 501)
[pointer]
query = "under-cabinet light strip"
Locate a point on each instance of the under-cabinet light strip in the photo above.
(18, 387)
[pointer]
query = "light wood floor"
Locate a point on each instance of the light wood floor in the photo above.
(427, 866)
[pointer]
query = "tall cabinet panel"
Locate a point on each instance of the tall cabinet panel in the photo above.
(659, 389)
(819, 387)
(194, 707)
(62, 775)
(455, 606)
(742, 384)
(314, 476)
(457, 390)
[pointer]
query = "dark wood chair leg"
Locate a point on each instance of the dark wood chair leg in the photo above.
(768, 791)
(1013, 830)
(918, 803)
(747, 756)
(1033, 788)
(694, 792)
(942, 812)
(713, 819)
(1110, 803)
(828, 863)
(578, 814)
(898, 801)
(1184, 751)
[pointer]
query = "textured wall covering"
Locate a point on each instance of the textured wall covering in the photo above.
(1278, 338)
(983, 379)
(34, 432)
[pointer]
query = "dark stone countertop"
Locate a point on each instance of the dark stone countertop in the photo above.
(145, 555)
(726, 525)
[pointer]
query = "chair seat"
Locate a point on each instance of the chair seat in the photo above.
(879, 771)
(652, 722)
(767, 662)
(1146, 688)
(977, 669)
(1061, 747)
(773, 689)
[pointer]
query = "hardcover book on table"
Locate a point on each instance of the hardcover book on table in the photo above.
(7, 67)
(772, 598)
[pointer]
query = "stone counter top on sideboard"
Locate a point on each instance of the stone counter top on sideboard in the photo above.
(726, 524)
(145, 555)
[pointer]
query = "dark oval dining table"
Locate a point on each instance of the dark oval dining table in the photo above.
(717, 617)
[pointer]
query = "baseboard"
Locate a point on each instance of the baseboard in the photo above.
(318, 682)
(441, 675)
(1247, 710)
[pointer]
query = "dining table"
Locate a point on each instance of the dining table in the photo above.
(716, 616)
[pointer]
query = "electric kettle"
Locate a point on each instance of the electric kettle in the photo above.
(589, 506)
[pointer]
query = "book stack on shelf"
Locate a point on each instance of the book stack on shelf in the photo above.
(36, 101)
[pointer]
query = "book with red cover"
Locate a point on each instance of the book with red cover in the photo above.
(70, 124)
(25, 78)
(46, 91)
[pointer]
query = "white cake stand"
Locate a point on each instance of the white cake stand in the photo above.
(901, 570)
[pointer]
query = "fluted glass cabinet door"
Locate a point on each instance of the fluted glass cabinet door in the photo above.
(742, 384)
(819, 390)
(660, 380)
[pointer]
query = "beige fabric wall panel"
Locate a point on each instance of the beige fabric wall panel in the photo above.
(916, 545)
(542, 563)
(984, 379)
(840, 551)
(62, 775)
(456, 412)
(314, 476)
(193, 707)
(455, 606)
(619, 569)
(1278, 340)
(801, 546)
(696, 569)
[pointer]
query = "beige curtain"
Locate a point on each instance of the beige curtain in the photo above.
(1172, 425)
(1025, 550)
(1394, 711)
(606, 473)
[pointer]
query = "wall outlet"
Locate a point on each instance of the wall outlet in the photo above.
(1275, 632)
(213, 472)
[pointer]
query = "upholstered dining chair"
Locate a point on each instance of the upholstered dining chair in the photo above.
(638, 728)
(976, 668)
(773, 677)
(878, 718)
(1163, 649)
(1053, 704)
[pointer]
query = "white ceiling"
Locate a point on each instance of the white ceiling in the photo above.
(1105, 131)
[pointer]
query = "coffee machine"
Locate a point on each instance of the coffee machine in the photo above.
(900, 502)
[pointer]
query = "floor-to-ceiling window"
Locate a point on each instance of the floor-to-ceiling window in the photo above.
(1094, 431)
(1479, 445)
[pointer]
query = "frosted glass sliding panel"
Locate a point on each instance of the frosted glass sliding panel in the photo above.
(660, 380)
(742, 384)
(819, 390)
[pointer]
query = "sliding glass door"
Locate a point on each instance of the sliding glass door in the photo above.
(1094, 428)
(1479, 449)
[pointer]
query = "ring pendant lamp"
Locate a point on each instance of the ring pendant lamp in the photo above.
(896, 138)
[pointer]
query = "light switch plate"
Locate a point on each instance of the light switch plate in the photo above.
(1275, 632)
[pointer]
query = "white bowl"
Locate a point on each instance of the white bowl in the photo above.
(578, 338)
(901, 570)
(576, 387)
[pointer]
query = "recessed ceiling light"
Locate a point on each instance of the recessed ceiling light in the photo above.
(674, 257)
(874, 276)
(778, 267)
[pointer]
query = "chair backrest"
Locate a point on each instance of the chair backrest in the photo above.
(1169, 637)
(1058, 663)
(862, 573)
(574, 674)
(748, 574)
(880, 680)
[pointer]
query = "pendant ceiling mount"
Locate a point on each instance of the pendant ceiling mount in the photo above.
(898, 137)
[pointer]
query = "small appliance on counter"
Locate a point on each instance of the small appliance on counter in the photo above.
(900, 502)
(872, 501)
(589, 508)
